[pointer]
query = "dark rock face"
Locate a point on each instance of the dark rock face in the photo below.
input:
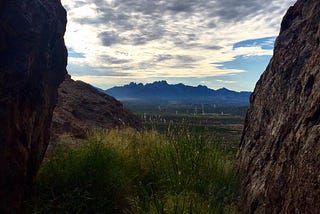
(280, 148)
(82, 107)
(33, 62)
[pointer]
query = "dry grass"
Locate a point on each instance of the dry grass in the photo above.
(137, 172)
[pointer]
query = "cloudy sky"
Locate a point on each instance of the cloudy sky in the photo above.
(218, 43)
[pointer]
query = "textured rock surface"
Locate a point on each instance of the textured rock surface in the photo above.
(82, 107)
(33, 61)
(280, 148)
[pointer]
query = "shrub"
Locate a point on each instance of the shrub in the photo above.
(137, 172)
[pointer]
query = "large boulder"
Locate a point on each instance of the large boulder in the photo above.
(33, 61)
(81, 108)
(279, 155)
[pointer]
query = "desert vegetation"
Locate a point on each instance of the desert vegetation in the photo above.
(126, 171)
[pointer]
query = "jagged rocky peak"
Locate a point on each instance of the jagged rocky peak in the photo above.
(161, 83)
(81, 107)
(33, 61)
(279, 155)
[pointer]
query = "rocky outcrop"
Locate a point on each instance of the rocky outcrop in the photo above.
(33, 62)
(279, 154)
(82, 107)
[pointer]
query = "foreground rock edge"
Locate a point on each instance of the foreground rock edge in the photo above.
(279, 155)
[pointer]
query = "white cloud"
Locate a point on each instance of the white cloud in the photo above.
(128, 38)
(226, 81)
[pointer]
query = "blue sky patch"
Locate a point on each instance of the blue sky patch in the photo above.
(266, 43)
(73, 54)
(254, 67)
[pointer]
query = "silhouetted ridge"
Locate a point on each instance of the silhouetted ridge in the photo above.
(162, 92)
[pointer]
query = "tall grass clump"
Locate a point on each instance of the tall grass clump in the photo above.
(137, 172)
(88, 178)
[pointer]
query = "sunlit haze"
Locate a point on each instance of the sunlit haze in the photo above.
(218, 43)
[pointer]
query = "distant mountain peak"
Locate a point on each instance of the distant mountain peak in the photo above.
(224, 89)
(132, 84)
(159, 83)
(162, 82)
(163, 92)
(202, 86)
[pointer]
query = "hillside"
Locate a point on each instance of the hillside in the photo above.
(81, 107)
(163, 93)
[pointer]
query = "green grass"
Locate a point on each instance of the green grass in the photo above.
(137, 172)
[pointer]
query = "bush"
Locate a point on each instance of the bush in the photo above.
(132, 172)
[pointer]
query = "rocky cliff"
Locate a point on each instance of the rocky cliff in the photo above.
(33, 62)
(82, 107)
(280, 148)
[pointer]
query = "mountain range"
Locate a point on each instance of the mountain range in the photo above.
(160, 92)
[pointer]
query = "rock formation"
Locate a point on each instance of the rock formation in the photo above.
(33, 62)
(82, 107)
(280, 147)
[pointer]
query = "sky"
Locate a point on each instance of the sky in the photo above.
(217, 43)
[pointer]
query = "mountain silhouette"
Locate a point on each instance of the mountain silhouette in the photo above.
(161, 92)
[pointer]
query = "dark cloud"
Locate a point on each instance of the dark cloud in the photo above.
(85, 70)
(180, 6)
(185, 58)
(184, 61)
(144, 36)
(181, 59)
(109, 38)
(178, 61)
(127, 68)
(228, 11)
(183, 66)
(212, 47)
(112, 60)
(143, 21)
(163, 57)
(212, 24)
